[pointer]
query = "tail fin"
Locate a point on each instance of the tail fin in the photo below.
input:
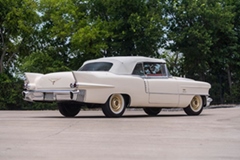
(32, 77)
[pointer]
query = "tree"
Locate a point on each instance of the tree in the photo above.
(133, 27)
(17, 23)
(82, 30)
(203, 31)
(174, 61)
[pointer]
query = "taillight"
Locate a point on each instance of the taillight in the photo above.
(25, 86)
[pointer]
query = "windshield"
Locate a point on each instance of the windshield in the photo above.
(97, 66)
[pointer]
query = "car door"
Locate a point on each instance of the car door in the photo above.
(161, 88)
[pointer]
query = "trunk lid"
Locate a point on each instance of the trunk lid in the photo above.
(56, 81)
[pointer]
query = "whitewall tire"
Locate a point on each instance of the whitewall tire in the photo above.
(115, 106)
(195, 107)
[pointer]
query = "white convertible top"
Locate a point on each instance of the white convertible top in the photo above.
(124, 64)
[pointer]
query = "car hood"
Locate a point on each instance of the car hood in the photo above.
(181, 78)
(190, 82)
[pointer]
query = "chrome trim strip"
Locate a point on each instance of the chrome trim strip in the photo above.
(49, 91)
(155, 77)
(92, 85)
(177, 93)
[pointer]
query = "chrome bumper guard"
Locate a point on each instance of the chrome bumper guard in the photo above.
(209, 100)
(78, 95)
(48, 96)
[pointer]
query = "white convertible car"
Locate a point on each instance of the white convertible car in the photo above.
(117, 83)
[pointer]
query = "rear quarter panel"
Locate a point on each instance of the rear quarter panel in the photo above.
(100, 85)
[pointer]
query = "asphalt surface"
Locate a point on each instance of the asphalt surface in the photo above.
(46, 135)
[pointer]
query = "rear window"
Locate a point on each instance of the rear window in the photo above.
(97, 66)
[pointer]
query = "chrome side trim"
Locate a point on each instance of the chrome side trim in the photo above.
(155, 77)
(50, 91)
(177, 93)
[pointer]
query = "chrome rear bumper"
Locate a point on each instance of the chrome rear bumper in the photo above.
(48, 96)
(78, 95)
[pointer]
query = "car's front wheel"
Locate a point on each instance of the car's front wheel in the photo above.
(152, 111)
(195, 107)
(115, 106)
(69, 109)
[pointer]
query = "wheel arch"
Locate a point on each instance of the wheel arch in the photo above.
(196, 106)
(204, 100)
(126, 97)
(116, 105)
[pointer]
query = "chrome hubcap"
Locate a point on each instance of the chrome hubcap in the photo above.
(196, 103)
(116, 103)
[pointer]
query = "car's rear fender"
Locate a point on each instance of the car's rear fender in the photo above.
(31, 79)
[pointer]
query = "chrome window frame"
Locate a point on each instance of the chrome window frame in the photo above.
(167, 75)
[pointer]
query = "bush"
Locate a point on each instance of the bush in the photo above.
(11, 96)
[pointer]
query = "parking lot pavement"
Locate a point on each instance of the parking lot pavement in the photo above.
(38, 135)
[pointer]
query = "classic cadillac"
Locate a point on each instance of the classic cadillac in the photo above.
(117, 83)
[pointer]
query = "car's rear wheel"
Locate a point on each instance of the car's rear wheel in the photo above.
(69, 109)
(152, 111)
(115, 106)
(195, 107)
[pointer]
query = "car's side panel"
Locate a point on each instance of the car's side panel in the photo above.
(187, 90)
(100, 85)
(162, 91)
(143, 91)
(184, 100)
